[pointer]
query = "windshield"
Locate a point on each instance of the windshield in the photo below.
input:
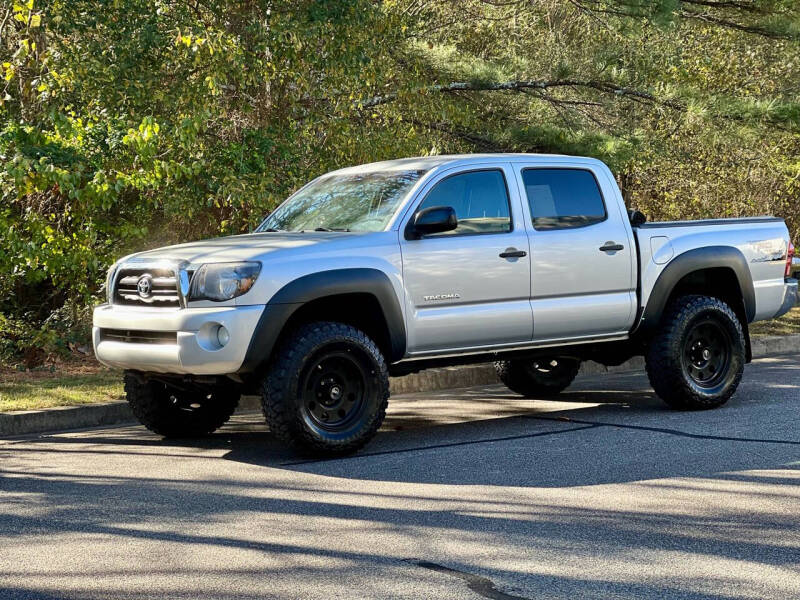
(353, 202)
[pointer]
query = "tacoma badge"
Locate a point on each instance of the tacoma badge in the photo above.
(441, 297)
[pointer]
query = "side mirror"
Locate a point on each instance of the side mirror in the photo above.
(636, 218)
(434, 219)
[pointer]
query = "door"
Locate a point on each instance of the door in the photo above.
(583, 282)
(470, 287)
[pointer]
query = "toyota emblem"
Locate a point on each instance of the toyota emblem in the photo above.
(145, 285)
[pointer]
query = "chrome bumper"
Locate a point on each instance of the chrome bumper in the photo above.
(194, 349)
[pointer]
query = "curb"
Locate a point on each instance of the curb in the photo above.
(62, 418)
(117, 413)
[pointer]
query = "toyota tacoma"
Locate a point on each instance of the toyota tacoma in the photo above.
(530, 261)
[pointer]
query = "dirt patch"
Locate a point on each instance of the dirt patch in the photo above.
(73, 367)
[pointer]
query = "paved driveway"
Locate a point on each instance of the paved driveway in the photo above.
(466, 494)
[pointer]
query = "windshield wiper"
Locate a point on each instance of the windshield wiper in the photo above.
(272, 230)
(329, 229)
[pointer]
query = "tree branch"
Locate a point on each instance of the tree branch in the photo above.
(480, 142)
(753, 29)
(519, 85)
(688, 11)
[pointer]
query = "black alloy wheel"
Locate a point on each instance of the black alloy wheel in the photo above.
(177, 412)
(707, 353)
(334, 387)
(543, 377)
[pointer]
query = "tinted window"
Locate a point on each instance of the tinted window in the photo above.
(479, 198)
(562, 198)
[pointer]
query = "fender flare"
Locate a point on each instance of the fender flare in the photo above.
(314, 286)
(698, 259)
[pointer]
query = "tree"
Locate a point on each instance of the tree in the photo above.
(694, 104)
(128, 124)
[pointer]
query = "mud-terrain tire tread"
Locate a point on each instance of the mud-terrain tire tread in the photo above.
(279, 387)
(149, 404)
(517, 377)
(663, 362)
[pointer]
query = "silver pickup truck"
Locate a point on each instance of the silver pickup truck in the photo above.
(530, 261)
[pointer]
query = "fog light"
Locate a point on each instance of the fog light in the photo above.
(223, 336)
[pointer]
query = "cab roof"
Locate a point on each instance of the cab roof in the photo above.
(427, 163)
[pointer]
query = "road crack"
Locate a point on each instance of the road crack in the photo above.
(480, 585)
(438, 446)
(676, 432)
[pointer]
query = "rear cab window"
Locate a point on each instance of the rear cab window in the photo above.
(563, 198)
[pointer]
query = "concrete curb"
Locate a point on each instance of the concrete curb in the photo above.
(64, 417)
(116, 413)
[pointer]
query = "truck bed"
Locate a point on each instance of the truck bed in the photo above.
(762, 241)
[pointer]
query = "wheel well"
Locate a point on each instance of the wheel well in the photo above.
(361, 310)
(717, 282)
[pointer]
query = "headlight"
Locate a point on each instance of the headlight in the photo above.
(110, 282)
(223, 281)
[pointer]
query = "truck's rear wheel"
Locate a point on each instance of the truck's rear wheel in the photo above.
(174, 412)
(539, 378)
(697, 358)
(327, 389)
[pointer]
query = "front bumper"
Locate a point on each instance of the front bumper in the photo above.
(192, 350)
(791, 296)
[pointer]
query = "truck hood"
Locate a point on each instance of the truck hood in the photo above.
(251, 246)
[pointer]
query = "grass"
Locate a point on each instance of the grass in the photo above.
(18, 392)
(88, 383)
(786, 325)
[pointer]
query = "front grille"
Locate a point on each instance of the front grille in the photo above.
(139, 337)
(161, 288)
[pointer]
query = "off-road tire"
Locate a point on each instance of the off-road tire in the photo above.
(669, 361)
(289, 389)
(167, 411)
(537, 378)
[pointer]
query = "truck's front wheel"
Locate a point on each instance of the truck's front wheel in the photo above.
(327, 389)
(174, 412)
(697, 358)
(539, 378)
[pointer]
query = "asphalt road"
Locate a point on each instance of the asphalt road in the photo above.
(465, 494)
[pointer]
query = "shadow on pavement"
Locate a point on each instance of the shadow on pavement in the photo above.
(530, 477)
(619, 434)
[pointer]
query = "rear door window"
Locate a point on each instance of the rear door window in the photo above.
(563, 198)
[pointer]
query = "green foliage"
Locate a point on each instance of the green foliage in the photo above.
(694, 104)
(128, 124)
(21, 342)
(123, 125)
(30, 341)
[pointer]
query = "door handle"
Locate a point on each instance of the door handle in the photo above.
(611, 247)
(513, 253)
